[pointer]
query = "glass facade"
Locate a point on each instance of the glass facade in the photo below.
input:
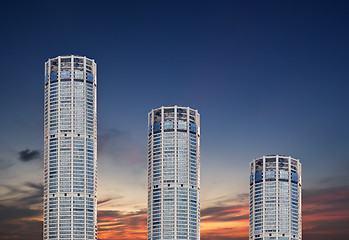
(173, 173)
(275, 199)
(70, 149)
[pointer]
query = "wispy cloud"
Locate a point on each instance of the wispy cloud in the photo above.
(325, 216)
(225, 234)
(21, 212)
(28, 229)
(9, 213)
(122, 225)
(226, 213)
(326, 213)
(132, 225)
(24, 196)
(107, 138)
(114, 142)
(4, 164)
(104, 201)
(226, 218)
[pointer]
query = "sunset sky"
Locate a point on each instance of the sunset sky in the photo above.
(267, 77)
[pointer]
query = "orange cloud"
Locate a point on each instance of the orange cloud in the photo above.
(224, 222)
(122, 225)
(326, 213)
(325, 216)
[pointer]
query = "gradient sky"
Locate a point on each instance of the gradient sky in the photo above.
(268, 77)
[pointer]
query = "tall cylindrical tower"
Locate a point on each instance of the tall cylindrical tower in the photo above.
(70, 149)
(174, 173)
(275, 198)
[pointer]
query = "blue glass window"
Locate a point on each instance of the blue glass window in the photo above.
(149, 129)
(89, 76)
(193, 127)
(251, 178)
(294, 177)
(53, 76)
(156, 127)
(259, 176)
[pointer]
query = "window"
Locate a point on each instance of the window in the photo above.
(294, 177)
(65, 74)
(193, 127)
(156, 127)
(182, 125)
(168, 125)
(78, 74)
(270, 175)
(89, 76)
(53, 76)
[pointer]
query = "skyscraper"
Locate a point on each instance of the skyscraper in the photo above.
(70, 149)
(174, 173)
(275, 198)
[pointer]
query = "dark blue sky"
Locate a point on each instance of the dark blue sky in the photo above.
(268, 77)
